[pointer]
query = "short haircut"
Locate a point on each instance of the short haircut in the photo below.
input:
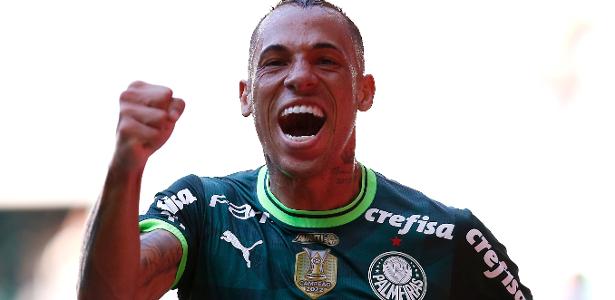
(357, 39)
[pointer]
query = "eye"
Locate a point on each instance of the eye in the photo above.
(326, 61)
(274, 63)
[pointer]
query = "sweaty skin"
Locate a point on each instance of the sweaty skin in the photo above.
(118, 263)
(304, 57)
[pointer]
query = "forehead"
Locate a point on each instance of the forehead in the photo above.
(292, 26)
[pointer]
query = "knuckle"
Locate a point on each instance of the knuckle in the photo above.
(124, 111)
(126, 108)
(166, 92)
(137, 84)
(124, 128)
(127, 94)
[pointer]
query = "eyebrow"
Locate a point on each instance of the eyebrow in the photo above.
(274, 48)
(282, 48)
(326, 46)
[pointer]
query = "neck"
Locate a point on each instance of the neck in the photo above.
(330, 189)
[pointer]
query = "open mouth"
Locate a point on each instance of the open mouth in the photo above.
(300, 122)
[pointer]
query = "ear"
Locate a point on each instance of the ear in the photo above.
(244, 99)
(367, 89)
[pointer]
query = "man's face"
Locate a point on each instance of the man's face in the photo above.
(305, 90)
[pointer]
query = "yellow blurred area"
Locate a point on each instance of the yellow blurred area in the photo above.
(506, 108)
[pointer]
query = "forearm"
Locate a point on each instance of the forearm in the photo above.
(111, 263)
(112, 248)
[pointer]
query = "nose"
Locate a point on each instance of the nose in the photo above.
(301, 78)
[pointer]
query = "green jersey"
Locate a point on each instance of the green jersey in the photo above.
(390, 242)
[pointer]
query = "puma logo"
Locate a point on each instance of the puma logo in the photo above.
(231, 238)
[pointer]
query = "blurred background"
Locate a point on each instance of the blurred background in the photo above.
(503, 107)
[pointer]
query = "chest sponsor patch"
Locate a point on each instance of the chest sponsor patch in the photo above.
(242, 212)
(423, 224)
(315, 272)
(396, 275)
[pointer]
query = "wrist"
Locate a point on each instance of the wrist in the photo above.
(126, 160)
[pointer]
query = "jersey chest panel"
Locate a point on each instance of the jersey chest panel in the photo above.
(250, 254)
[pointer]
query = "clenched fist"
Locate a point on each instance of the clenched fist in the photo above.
(147, 117)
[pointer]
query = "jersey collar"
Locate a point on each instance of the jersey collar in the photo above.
(317, 218)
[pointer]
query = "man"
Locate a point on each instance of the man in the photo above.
(312, 223)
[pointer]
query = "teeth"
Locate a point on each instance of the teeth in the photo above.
(303, 109)
(299, 138)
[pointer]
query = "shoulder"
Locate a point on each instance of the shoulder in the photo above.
(191, 188)
(241, 178)
(412, 211)
(238, 181)
(196, 182)
(395, 195)
(206, 188)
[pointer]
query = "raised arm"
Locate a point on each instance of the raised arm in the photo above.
(117, 262)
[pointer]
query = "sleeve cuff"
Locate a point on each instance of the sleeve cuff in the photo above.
(148, 225)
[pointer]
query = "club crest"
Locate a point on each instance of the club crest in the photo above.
(315, 272)
(396, 275)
